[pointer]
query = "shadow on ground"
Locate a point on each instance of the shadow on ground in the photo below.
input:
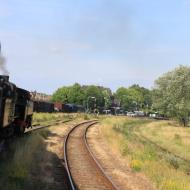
(27, 164)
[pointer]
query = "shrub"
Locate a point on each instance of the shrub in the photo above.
(125, 149)
(173, 161)
(177, 139)
(171, 185)
(86, 117)
(136, 165)
(117, 127)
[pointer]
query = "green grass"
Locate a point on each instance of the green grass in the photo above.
(16, 164)
(46, 118)
(169, 135)
(22, 162)
(165, 170)
(85, 116)
(27, 157)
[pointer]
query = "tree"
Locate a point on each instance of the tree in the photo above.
(94, 91)
(107, 98)
(171, 95)
(143, 97)
(70, 94)
(134, 97)
(76, 94)
(61, 95)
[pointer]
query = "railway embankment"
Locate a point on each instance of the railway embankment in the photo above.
(157, 151)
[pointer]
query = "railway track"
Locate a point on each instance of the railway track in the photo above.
(36, 127)
(84, 172)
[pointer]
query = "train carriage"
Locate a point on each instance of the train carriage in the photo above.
(43, 106)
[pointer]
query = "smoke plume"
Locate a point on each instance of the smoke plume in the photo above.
(3, 69)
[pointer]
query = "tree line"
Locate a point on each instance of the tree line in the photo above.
(132, 98)
(170, 96)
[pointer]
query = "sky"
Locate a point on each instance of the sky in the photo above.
(112, 43)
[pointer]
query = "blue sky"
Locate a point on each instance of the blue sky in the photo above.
(52, 43)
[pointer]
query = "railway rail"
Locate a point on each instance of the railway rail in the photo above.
(83, 169)
(35, 127)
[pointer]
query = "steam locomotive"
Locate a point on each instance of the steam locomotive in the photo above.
(16, 108)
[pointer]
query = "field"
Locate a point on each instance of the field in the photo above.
(158, 149)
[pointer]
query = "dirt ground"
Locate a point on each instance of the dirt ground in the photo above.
(50, 173)
(115, 166)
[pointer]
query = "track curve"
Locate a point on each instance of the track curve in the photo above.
(84, 171)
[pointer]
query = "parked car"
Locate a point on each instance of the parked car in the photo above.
(131, 114)
(139, 113)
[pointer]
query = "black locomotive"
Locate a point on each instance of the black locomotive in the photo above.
(16, 108)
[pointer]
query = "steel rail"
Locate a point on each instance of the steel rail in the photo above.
(4, 140)
(65, 152)
(97, 164)
(45, 126)
(96, 161)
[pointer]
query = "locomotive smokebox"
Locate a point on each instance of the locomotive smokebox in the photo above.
(4, 78)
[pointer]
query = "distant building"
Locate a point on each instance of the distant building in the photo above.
(40, 96)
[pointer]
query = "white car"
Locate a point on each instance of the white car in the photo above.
(131, 114)
(139, 113)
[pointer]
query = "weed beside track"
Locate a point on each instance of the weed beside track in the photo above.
(165, 170)
(26, 161)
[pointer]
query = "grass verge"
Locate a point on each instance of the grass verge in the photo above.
(46, 118)
(17, 162)
(165, 170)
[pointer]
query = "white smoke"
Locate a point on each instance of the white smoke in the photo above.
(3, 68)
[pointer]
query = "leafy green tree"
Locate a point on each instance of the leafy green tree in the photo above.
(93, 96)
(76, 94)
(134, 97)
(171, 95)
(143, 96)
(70, 94)
(61, 95)
(107, 99)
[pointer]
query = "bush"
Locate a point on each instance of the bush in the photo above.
(125, 149)
(173, 161)
(136, 165)
(117, 127)
(177, 139)
(171, 185)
